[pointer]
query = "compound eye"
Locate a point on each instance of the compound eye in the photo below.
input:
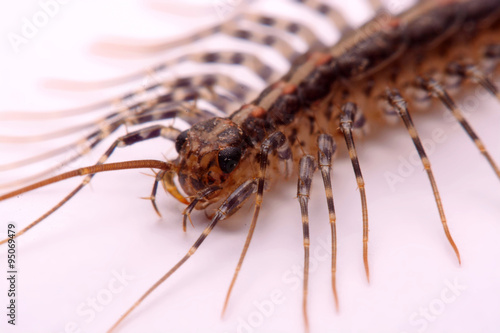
(229, 159)
(179, 142)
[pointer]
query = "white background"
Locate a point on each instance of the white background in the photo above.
(71, 257)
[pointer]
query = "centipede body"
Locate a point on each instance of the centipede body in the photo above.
(410, 265)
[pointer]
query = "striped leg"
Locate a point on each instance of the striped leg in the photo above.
(232, 203)
(399, 104)
(247, 60)
(329, 12)
(127, 140)
(273, 41)
(437, 90)
(229, 28)
(90, 170)
(346, 125)
(275, 142)
(326, 149)
(281, 24)
(278, 23)
(181, 89)
(306, 170)
(104, 129)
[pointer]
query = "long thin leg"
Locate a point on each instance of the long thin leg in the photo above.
(395, 100)
(275, 142)
(138, 164)
(306, 170)
(127, 140)
(277, 23)
(113, 121)
(228, 207)
(346, 125)
(331, 13)
(247, 60)
(326, 149)
(281, 24)
(437, 90)
(229, 28)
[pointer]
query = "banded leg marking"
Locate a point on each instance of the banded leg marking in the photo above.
(326, 149)
(275, 142)
(330, 13)
(127, 140)
(346, 126)
(247, 60)
(232, 203)
(307, 167)
(437, 90)
(395, 100)
(113, 121)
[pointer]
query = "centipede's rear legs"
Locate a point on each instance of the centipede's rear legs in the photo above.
(347, 124)
(396, 101)
(307, 167)
(436, 90)
(326, 150)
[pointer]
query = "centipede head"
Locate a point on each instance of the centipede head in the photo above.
(212, 154)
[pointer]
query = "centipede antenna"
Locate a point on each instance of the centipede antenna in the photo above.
(230, 29)
(346, 120)
(327, 147)
(336, 17)
(307, 167)
(438, 91)
(91, 170)
(233, 202)
(127, 140)
(396, 100)
(276, 141)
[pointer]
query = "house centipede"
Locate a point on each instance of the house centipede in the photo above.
(346, 302)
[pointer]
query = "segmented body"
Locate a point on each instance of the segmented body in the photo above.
(359, 95)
